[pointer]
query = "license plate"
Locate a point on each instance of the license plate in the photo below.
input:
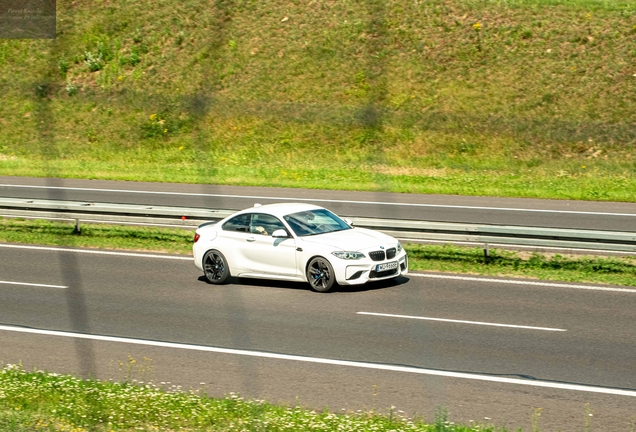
(386, 266)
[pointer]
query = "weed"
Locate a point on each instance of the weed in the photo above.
(180, 38)
(94, 61)
(588, 417)
(442, 424)
(63, 66)
(135, 371)
(156, 126)
(71, 89)
(536, 415)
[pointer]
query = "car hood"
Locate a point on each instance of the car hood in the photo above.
(352, 240)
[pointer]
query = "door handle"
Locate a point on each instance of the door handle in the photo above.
(251, 239)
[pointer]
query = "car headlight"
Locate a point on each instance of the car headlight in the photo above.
(399, 247)
(348, 255)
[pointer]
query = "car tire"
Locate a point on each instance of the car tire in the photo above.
(215, 267)
(320, 275)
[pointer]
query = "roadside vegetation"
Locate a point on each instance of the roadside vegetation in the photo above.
(43, 401)
(101, 236)
(439, 258)
(525, 98)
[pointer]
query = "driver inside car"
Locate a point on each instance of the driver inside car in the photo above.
(259, 230)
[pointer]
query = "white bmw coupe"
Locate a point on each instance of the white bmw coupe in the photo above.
(296, 242)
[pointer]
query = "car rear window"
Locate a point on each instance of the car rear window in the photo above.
(239, 223)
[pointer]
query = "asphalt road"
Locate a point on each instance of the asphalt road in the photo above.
(442, 208)
(415, 343)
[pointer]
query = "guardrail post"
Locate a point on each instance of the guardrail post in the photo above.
(78, 228)
(486, 253)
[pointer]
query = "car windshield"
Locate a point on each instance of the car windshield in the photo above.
(312, 222)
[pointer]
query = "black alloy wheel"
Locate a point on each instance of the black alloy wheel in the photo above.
(320, 275)
(215, 267)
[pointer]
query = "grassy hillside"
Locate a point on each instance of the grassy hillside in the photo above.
(510, 98)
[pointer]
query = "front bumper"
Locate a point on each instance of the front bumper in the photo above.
(361, 273)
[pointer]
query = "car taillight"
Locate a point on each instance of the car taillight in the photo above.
(197, 236)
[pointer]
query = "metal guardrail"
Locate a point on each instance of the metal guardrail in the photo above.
(493, 235)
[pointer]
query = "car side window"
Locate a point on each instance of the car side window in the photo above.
(265, 224)
(240, 223)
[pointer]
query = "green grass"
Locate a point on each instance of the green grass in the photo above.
(555, 267)
(527, 98)
(170, 240)
(447, 258)
(41, 401)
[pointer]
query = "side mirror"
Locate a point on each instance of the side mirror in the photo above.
(348, 221)
(280, 233)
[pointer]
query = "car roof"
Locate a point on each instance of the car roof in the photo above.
(281, 209)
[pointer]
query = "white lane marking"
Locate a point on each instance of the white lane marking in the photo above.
(97, 252)
(522, 282)
(318, 200)
(318, 360)
(461, 321)
(32, 284)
